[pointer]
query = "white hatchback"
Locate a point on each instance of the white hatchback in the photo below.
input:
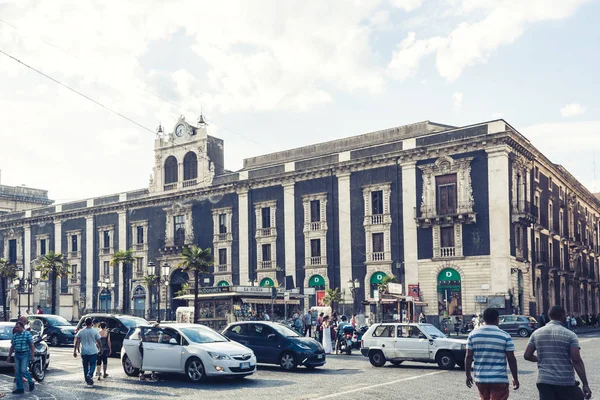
(194, 350)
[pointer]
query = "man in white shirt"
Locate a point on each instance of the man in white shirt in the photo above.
(89, 338)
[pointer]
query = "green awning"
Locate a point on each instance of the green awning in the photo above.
(267, 282)
(223, 283)
(448, 274)
(377, 277)
(316, 281)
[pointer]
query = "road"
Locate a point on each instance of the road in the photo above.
(343, 377)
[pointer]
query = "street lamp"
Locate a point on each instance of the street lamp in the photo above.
(17, 283)
(353, 286)
(155, 279)
(252, 282)
(103, 284)
(34, 279)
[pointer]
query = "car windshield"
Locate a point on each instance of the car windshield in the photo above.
(6, 332)
(200, 334)
(132, 322)
(57, 320)
(432, 331)
(285, 331)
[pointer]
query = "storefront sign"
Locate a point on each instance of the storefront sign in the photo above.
(212, 290)
(496, 302)
(413, 290)
(310, 290)
(377, 277)
(253, 289)
(316, 281)
(321, 298)
(395, 288)
(480, 299)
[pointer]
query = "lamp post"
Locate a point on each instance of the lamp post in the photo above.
(33, 280)
(156, 278)
(17, 282)
(107, 284)
(252, 282)
(353, 286)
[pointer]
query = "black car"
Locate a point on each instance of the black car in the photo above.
(275, 343)
(521, 325)
(56, 328)
(118, 325)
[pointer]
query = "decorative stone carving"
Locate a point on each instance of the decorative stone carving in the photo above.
(175, 210)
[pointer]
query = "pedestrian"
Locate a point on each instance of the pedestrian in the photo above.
(320, 328)
(299, 324)
(490, 348)
(353, 321)
(574, 323)
(105, 352)
(39, 310)
(327, 343)
(568, 322)
(457, 323)
(266, 316)
(422, 318)
(542, 320)
(89, 338)
(308, 324)
(27, 312)
(558, 353)
(22, 345)
(478, 322)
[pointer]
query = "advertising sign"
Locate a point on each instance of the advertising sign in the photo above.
(320, 298)
(413, 290)
(395, 288)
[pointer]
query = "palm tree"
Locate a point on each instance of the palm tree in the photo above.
(332, 296)
(199, 262)
(125, 258)
(53, 266)
(7, 273)
(383, 286)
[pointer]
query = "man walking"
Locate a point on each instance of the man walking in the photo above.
(89, 338)
(22, 344)
(490, 348)
(308, 323)
(558, 353)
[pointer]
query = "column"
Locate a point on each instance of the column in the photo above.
(89, 262)
(290, 230)
(243, 234)
(345, 229)
(123, 246)
(409, 204)
(27, 250)
(499, 214)
(58, 249)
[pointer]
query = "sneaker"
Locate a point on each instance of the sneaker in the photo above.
(31, 386)
(89, 380)
(106, 375)
(18, 391)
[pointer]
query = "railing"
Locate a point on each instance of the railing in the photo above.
(378, 256)
(377, 219)
(434, 212)
(189, 183)
(222, 236)
(74, 254)
(139, 246)
(524, 207)
(315, 226)
(315, 260)
(138, 274)
(170, 186)
(74, 281)
(447, 252)
(222, 268)
(105, 251)
(266, 264)
(265, 232)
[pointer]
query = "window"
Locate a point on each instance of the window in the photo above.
(74, 271)
(560, 223)
(377, 202)
(562, 257)
(190, 166)
(12, 251)
(106, 238)
(550, 216)
(171, 170)
(140, 234)
(550, 183)
(560, 192)
(518, 237)
(315, 211)
(106, 268)
(536, 203)
(265, 213)
(179, 226)
(550, 253)
(222, 223)
(315, 247)
(378, 243)
(139, 265)
(384, 331)
(536, 173)
(266, 252)
(409, 332)
(43, 248)
(222, 256)
(447, 236)
(74, 243)
(446, 194)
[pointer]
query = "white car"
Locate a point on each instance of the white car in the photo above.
(194, 350)
(41, 349)
(398, 342)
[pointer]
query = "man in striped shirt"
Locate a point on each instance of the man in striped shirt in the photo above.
(490, 348)
(557, 354)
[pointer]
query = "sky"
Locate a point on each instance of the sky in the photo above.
(271, 75)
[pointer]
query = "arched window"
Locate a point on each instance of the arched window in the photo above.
(171, 170)
(190, 166)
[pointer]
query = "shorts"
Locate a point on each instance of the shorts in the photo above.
(102, 358)
(493, 391)
(555, 392)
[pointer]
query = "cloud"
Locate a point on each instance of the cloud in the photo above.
(572, 110)
(407, 5)
(469, 43)
(457, 99)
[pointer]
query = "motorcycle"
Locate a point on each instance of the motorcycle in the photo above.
(357, 336)
(344, 339)
(38, 366)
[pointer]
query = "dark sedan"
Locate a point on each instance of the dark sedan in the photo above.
(275, 343)
(521, 325)
(58, 329)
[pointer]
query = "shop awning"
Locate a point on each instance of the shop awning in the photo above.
(383, 301)
(268, 301)
(206, 296)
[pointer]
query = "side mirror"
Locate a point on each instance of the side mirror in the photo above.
(272, 336)
(173, 341)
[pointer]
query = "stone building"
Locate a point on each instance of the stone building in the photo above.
(19, 198)
(463, 217)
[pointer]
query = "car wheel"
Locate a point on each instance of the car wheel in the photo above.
(396, 363)
(523, 332)
(377, 359)
(445, 360)
(54, 340)
(128, 367)
(287, 361)
(194, 369)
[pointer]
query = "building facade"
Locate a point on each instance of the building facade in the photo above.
(463, 217)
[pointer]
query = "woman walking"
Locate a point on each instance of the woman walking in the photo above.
(106, 351)
(327, 335)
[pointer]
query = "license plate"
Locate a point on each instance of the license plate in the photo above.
(320, 356)
(245, 365)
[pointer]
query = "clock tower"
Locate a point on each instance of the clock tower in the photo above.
(186, 158)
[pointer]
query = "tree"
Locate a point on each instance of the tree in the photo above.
(332, 296)
(7, 273)
(123, 258)
(199, 262)
(53, 266)
(184, 289)
(383, 286)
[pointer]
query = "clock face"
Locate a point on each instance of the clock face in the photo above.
(179, 130)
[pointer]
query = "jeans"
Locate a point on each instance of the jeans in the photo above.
(308, 329)
(89, 364)
(555, 392)
(21, 367)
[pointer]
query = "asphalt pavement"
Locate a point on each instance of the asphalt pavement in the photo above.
(342, 377)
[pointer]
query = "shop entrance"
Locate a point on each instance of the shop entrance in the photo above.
(449, 293)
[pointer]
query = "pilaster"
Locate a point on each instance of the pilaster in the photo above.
(27, 250)
(243, 235)
(289, 229)
(123, 246)
(409, 204)
(58, 249)
(89, 261)
(345, 229)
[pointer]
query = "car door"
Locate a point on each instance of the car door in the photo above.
(131, 344)
(160, 354)
(411, 343)
(510, 324)
(117, 333)
(385, 339)
(265, 348)
(238, 333)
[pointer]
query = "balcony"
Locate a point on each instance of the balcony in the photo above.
(541, 258)
(106, 251)
(462, 214)
(170, 186)
(74, 281)
(315, 260)
(377, 219)
(189, 183)
(315, 226)
(222, 268)
(377, 256)
(223, 237)
(138, 274)
(575, 240)
(266, 232)
(447, 252)
(74, 254)
(266, 264)
(139, 247)
(524, 212)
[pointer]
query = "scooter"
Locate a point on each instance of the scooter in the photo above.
(344, 339)
(357, 336)
(37, 367)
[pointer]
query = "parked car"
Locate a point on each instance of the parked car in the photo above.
(521, 325)
(194, 350)
(399, 342)
(275, 343)
(56, 328)
(41, 349)
(118, 325)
